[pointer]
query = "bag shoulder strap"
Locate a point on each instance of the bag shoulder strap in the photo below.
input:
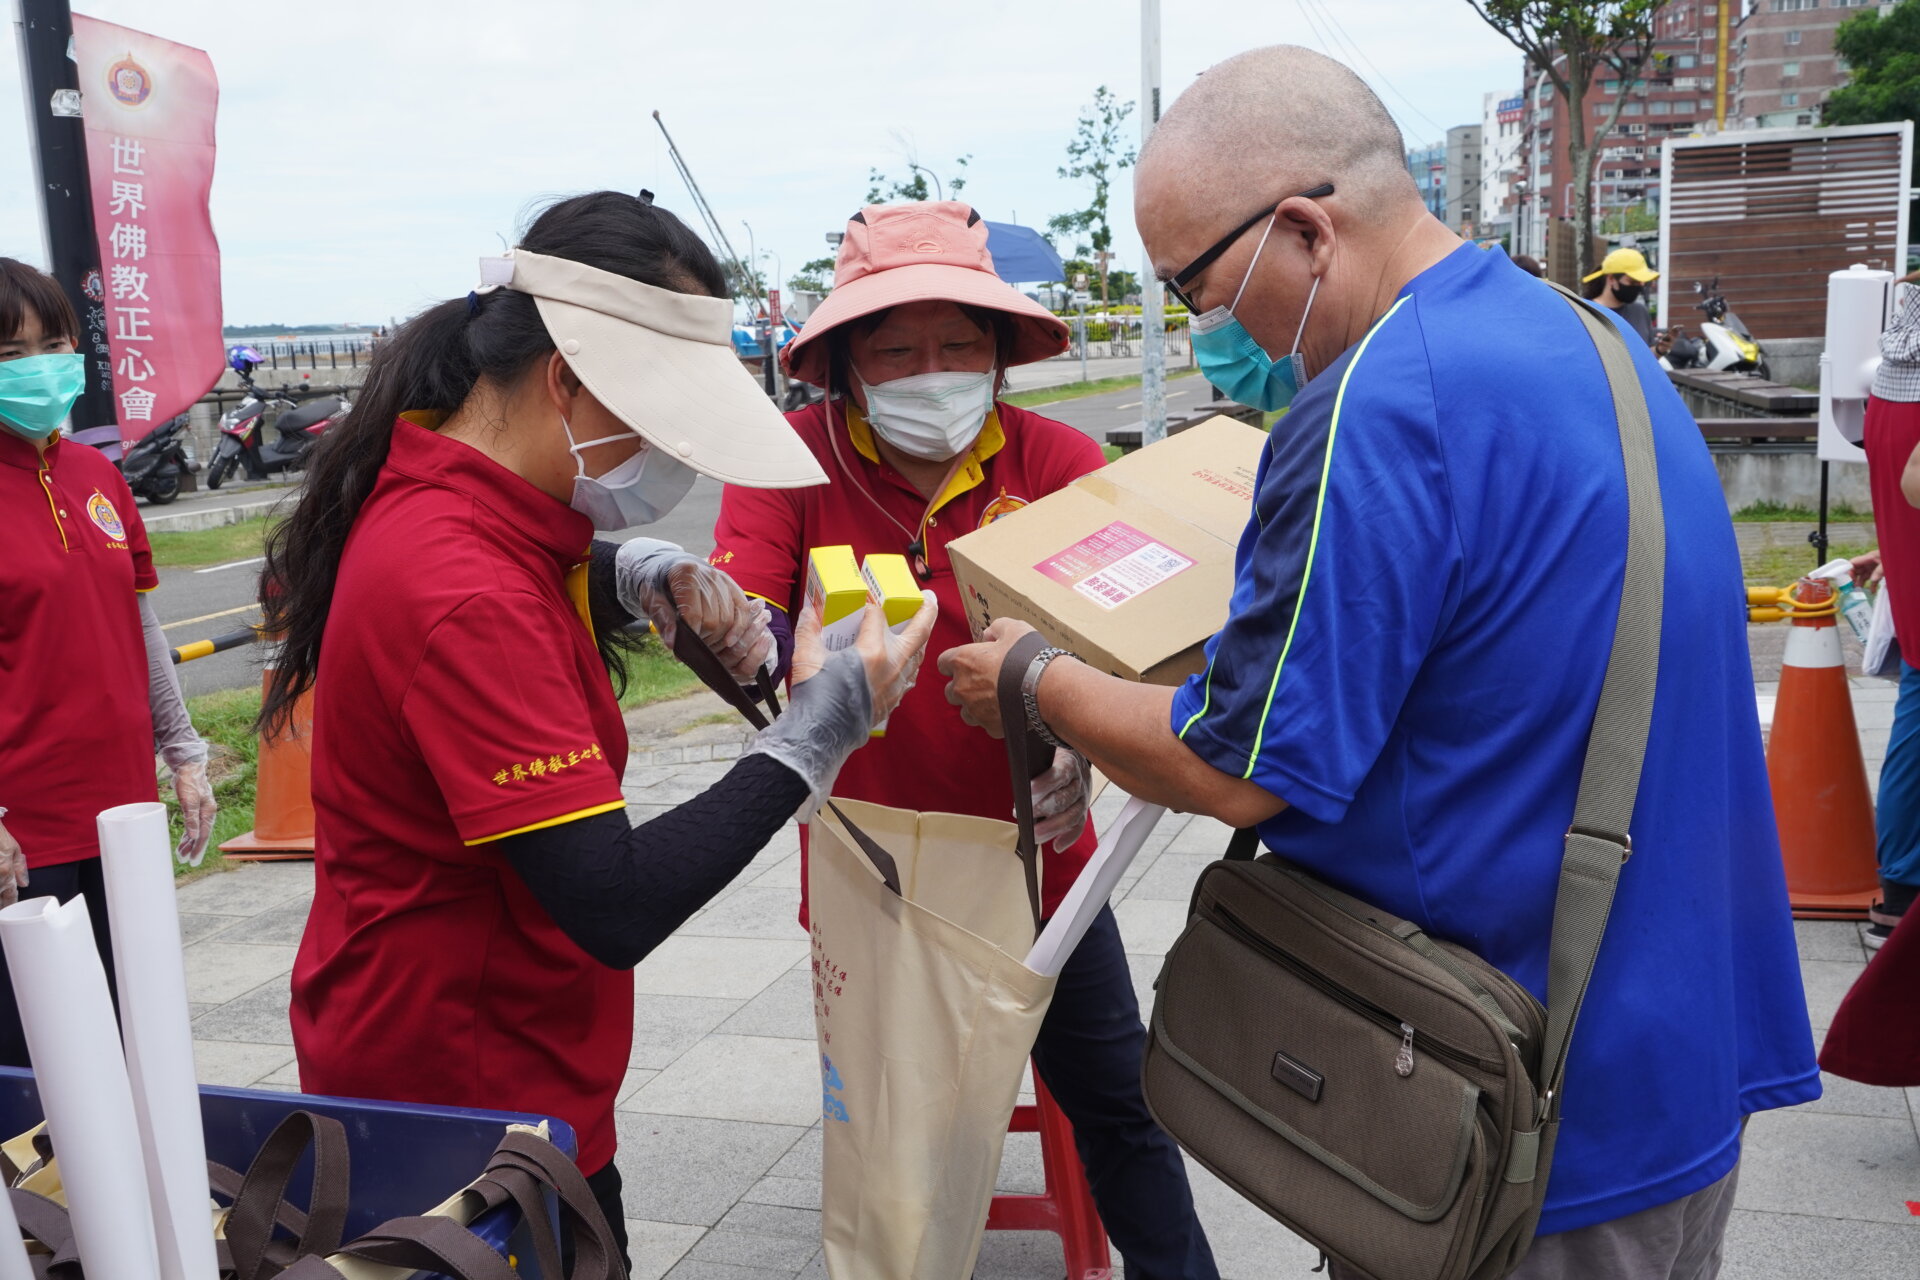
(1028, 756)
(1597, 841)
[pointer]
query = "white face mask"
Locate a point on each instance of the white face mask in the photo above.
(638, 491)
(933, 416)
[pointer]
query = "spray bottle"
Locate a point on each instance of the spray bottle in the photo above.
(1854, 604)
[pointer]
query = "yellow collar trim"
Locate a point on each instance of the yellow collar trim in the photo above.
(991, 440)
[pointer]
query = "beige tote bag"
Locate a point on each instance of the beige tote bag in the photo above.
(924, 1015)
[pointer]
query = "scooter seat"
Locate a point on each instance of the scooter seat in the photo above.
(296, 420)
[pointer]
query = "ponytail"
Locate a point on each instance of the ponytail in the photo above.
(433, 362)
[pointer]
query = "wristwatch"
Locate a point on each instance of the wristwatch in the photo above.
(1030, 692)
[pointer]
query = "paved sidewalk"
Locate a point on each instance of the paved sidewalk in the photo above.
(719, 1132)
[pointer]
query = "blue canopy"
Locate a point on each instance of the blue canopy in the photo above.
(1021, 254)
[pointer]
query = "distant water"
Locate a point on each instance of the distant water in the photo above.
(287, 342)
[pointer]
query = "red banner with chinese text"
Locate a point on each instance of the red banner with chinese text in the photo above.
(149, 106)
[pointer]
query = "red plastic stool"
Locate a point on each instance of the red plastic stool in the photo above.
(1066, 1206)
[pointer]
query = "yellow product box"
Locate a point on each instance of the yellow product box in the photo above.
(894, 586)
(892, 583)
(836, 587)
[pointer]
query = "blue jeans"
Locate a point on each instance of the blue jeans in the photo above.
(1090, 1052)
(1898, 816)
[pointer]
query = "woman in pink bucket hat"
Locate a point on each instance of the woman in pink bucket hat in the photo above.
(913, 346)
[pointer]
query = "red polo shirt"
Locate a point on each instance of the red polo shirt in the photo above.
(76, 732)
(459, 700)
(930, 759)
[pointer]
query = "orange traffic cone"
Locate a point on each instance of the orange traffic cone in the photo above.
(1820, 797)
(283, 799)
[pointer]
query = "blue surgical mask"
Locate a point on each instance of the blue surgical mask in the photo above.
(1231, 360)
(37, 392)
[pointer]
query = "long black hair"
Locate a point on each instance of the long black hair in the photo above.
(433, 362)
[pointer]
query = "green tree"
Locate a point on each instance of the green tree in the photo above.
(1571, 41)
(745, 283)
(813, 277)
(1098, 149)
(1884, 82)
(882, 189)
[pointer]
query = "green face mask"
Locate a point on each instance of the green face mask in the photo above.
(36, 392)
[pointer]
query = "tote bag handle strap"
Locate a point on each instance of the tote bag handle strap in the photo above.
(1028, 756)
(1023, 748)
(1597, 841)
(257, 1205)
(698, 658)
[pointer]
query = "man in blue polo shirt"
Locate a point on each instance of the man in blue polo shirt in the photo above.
(1424, 606)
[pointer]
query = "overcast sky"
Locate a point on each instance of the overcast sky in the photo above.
(372, 150)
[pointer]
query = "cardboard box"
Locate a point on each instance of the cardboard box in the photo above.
(1130, 567)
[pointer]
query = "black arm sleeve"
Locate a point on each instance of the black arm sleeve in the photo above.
(619, 890)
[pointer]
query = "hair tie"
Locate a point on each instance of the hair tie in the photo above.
(473, 304)
(646, 196)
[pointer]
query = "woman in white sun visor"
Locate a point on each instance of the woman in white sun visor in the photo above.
(481, 897)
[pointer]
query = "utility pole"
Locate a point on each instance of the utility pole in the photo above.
(52, 86)
(1721, 27)
(1153, 335)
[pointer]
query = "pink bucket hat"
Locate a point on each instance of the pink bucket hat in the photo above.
(934, 250)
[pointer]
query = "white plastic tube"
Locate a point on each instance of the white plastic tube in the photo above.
(13, 1250)
(64, 1009)
(1119, 845)
(155, 1023)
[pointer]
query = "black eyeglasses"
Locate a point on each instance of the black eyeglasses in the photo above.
(1184, 277)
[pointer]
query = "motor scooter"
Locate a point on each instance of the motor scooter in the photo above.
(153, 466)
(1724, 343)
(243, 433)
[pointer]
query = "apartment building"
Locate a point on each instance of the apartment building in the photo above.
(1428, 165)
(1503, 130)
(1783, 64)
(1674, 95)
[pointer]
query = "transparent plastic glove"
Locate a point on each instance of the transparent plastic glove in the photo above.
(838, 698)
(660, 582)
(1060, 798)
(13, 868)
(197, 808)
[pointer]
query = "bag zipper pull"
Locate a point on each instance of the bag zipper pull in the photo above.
(1403, 1061)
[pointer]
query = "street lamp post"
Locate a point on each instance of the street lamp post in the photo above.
(1153, 332)
(938, 190)
(766, 326)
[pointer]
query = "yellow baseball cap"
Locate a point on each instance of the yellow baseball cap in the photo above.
(1624, 262)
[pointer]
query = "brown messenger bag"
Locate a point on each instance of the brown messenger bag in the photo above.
(1388, 1096)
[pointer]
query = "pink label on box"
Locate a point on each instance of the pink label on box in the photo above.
(1113, 565)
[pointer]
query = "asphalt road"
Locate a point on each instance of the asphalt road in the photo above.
(1096, 415)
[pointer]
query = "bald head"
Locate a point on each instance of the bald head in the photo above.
(1260, 132)
(1273, 121)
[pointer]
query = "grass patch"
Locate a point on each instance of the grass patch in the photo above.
(196, 547)
(225, 720)
(1075, 390)
(654, 675)
(1762, 512)
(1781, 566)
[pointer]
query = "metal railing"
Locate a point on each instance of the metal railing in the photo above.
(314, 353)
